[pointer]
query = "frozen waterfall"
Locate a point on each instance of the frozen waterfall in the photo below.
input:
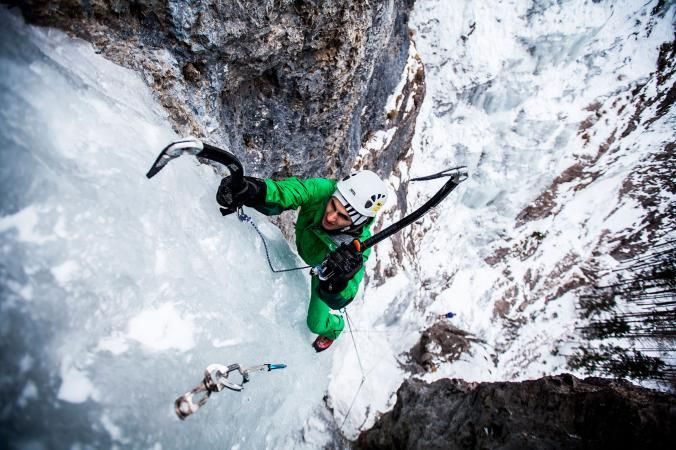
(117, 291)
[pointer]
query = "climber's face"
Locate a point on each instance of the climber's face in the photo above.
(335, 216)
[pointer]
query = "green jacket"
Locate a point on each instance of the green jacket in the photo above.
(312, 241)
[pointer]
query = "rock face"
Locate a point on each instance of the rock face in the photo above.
(440, 343)
(560, 412)
(293, 87)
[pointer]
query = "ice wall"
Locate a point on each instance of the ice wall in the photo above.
(117, 291)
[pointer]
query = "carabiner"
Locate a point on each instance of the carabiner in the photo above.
(216, 377)
(215, 380)
(186, 404)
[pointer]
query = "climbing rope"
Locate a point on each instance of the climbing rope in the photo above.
(244, 218)
(361, 367)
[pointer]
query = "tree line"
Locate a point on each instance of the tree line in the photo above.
(630, 323)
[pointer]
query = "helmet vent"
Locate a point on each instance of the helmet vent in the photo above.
(374, 200)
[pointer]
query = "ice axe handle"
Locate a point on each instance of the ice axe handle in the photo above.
(458, 175)
(227, 211)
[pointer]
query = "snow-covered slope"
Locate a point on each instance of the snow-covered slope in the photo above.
(564, 113)
(116, 290)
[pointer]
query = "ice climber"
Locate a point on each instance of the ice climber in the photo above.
(331, 213)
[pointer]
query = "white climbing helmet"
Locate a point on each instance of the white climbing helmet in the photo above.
(363, 194)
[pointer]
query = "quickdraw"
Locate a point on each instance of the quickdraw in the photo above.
(216, 379)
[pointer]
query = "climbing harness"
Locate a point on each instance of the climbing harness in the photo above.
(216, 378)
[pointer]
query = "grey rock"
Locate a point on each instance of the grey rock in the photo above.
(441, 342)
(281, 83)
(557, 412)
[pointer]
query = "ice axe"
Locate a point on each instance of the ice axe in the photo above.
(195, 147)
(456, 176)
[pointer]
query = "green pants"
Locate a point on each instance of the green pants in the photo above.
(319, 317)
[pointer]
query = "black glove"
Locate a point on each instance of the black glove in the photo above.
(251, 192)
(344, 263)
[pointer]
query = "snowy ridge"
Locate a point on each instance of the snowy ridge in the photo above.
(558, 109)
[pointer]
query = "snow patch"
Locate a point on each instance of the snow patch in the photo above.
(65, 272)
(25, 222)
(225, 342)
(116, 344)
(408, 74)
(29, 392)
(379, 140)
(26, 292)
(26, 363)
(114, 430)
(75, 385)
(162, 328)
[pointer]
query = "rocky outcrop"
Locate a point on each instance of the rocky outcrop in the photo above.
(559, 412)
(440, 343)
(293, 87)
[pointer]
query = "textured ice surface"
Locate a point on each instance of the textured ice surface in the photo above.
(116, 290)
